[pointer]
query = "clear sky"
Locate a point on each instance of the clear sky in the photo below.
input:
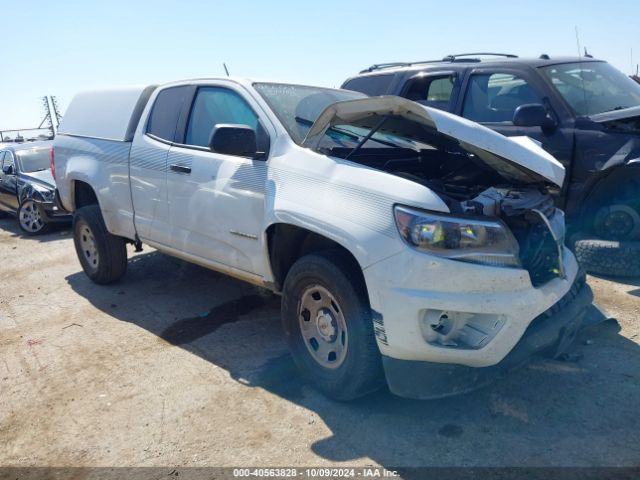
(61, 47)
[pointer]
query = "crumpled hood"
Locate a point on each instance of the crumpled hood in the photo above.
(43, 178)
(515, 158)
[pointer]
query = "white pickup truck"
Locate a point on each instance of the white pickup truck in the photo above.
(408, 244)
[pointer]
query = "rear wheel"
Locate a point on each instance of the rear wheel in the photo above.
(617, 222)
(327, 319)
(103, 256)
(31, 218)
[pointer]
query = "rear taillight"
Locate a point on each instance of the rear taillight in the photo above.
(53, 164)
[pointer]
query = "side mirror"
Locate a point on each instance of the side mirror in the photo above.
(533, 115)
(233, 139)
(7, 169)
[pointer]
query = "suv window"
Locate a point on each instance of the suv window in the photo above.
(8, 160)
(213, 106)
(434, 91)
(372, 85)
(495, 97)
(166, 110)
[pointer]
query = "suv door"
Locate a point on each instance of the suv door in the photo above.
(8, 183)
(491, 97)
(216, 201)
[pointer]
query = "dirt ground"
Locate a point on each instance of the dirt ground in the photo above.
(177, 365)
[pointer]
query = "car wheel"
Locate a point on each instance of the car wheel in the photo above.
(103, 256)
(327, 319)
(617, 222)
(607, 257)
(31, 219)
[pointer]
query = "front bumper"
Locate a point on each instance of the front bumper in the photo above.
(552, 331)
(53, 213)
(409, 288)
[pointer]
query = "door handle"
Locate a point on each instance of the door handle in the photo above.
(180, 168)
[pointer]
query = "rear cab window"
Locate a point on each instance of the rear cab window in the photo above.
(163, 120)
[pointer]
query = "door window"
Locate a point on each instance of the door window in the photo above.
(493, 98)
(214, 106)
(432, 91)
(165, 112)
(371, 85)
(8, 160)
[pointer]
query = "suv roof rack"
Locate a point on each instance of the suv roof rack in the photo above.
(453, 58)
(380, 66)
(460, 57)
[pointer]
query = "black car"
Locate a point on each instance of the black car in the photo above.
(27, 187)
(582, 110)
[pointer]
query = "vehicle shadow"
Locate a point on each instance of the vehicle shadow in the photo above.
(551, 413)
(56, 231)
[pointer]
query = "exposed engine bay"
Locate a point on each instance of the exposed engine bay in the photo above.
(470, 187)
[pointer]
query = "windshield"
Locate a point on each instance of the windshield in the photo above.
(593, 87)
(298, 106)
(34, 160)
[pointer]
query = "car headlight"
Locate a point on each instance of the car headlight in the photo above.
(466, 239)
(45, 194)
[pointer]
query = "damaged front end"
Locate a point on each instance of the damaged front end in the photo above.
(495, 188)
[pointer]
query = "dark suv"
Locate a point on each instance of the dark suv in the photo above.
(583, 111)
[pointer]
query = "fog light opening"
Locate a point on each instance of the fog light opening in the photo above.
(462, 330)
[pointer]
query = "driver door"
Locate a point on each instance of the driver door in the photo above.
(217, 201)
(491, 98)
(8, 183)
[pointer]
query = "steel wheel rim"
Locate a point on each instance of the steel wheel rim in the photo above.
(619, 223)
(323, 327)
(30, 217)
(88, 246)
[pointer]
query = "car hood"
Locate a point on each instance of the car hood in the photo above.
(43, 178)
(623, 114)
(515, 158)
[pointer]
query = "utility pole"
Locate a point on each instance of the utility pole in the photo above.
(47, 120)
(56, 110)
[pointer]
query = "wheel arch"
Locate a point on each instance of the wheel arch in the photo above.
(83, 194)
(287, 242)
(615, 183)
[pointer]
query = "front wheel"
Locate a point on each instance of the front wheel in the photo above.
(327, 320)
(31, 218)
(103, 256)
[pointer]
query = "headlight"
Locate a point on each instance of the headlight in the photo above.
(46, 195)
(465, 239)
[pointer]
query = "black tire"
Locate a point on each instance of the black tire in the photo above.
(608, 257)
(31, 219)
(103, 256)
(3, 214)
(360, 371)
